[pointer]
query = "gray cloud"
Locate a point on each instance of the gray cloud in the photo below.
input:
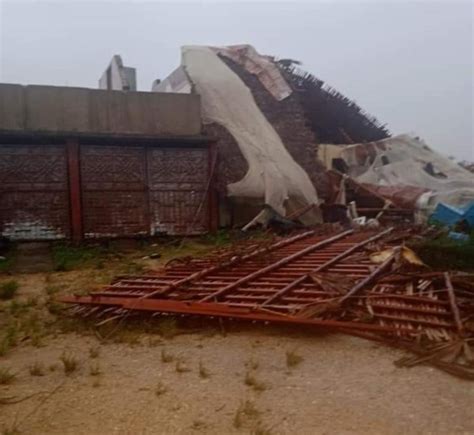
(408, 63)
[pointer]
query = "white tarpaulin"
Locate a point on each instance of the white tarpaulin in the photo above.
(273, 175)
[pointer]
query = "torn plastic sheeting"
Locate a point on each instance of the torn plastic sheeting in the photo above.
(273, 174)
(261, 66)
(402, 161)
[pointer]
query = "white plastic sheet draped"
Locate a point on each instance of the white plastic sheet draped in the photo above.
(273, 175)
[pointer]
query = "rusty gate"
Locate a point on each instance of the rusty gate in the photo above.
(89, 190)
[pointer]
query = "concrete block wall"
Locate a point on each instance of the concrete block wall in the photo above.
(66, 109)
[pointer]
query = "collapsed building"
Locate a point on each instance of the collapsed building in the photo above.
(277, 126)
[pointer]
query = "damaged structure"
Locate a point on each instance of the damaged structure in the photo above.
(232, 138)
(359, 283)
(284, 126)
(279, 143)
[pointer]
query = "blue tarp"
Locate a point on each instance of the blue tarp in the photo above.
(450, 216)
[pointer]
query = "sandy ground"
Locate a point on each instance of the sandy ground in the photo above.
(343, 385)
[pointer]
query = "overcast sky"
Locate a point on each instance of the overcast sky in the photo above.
(408, 63)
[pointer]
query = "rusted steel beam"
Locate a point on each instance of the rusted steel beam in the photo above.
(224, 310)
(275, 265)
(73, 165)
(453, 303)
(327, 264)
(202, 273)
(366, 281)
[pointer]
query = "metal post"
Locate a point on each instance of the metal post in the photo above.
(75, 202)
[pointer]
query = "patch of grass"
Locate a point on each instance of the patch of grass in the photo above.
(444, 253)
(68, 257)
(219, 238)
(6, 376)
(8, 289)
(94, 352)
(51, 290)
(251, 381)
(17, 308)
(247, 411)
(54, 307)
(95, 370)
(127, 336)
(10, 337)
(293, 359)
(252, 364)
(203, 371)
(36, 369)
(31, 324)
(154, 341)
(181, 367)
(11, 430)
(160, 389)
(132, 268)
(70, 363)
(261, 429)
(166, 357)
(7, 264)
(167, 327)
(198, 425)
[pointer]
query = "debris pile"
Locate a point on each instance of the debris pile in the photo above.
(286, 134)
(363, 283)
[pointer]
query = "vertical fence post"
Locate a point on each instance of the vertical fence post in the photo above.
(75, 203)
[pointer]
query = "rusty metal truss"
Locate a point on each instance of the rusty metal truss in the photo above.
(307, 279)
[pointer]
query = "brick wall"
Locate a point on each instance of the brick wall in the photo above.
(124, 191)
(288, 119)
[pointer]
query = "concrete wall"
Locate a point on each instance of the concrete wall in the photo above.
(66, 109)
(122, 78)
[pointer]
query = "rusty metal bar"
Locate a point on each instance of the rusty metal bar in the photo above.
(452, 302)
(328, 263)
(271, 267)
(202, 273)
(74, 178)
(371, 277)
(222, 310)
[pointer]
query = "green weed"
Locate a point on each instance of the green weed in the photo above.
(246, 412)
(293, 359)
(36, 369)
(166, 357)
(160, 389)
(203, 371)
(8, 289)
(251, 381)
(6, 376)
(95, 370)
(70, 363)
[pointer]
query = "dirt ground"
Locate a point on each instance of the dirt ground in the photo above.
(209, 380)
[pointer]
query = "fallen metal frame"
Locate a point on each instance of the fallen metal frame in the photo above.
(285, 282)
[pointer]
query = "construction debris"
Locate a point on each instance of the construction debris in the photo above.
(361, 283)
